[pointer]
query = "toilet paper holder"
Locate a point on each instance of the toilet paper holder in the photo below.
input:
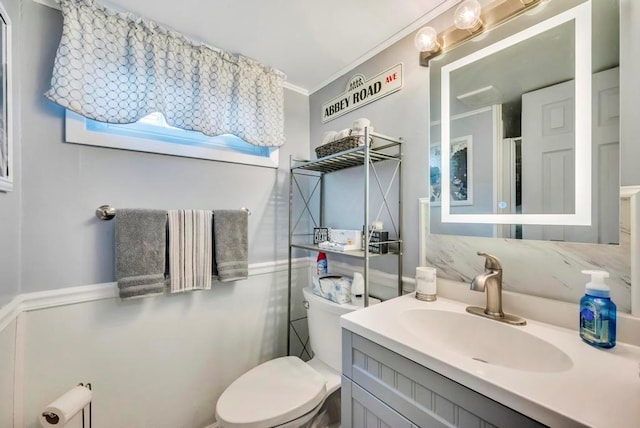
(54, 419)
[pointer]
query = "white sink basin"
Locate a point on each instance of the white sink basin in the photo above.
(543, 371)
(485, 340)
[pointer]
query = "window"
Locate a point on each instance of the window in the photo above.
(152, 134)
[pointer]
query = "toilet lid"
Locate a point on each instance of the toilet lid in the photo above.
(271, 394)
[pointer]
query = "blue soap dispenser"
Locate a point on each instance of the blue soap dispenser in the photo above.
(598, 312)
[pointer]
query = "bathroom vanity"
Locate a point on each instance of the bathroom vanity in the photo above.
(408, 363)
(421, 394)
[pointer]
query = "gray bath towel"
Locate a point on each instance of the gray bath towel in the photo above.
(230, 245)
(140, 252)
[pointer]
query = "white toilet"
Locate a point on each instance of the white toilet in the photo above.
(287, 392)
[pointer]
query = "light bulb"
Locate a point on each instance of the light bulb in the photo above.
(426, 40)
(467, 15)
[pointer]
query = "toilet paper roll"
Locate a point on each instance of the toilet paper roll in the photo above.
(66, 407)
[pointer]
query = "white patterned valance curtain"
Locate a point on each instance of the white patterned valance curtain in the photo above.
(116, 68)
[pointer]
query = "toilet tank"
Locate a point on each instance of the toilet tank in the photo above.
(325, 334)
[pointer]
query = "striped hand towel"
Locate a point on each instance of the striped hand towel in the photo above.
(190, 250)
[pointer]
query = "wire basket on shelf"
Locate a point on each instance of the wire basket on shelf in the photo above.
(340, 145)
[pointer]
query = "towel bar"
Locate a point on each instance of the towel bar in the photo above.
(107, 212)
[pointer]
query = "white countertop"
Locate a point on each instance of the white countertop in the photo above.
(601, 389)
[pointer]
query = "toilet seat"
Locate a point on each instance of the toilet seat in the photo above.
(271, 394)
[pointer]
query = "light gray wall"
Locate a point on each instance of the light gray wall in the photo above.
(51, 239)
(401, 114)
(158, 362)
(63, 244)
(480, 127)
(7, 363)
(10, 201)
(405, 113)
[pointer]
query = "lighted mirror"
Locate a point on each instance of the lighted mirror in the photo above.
(6, 148)
(530, 128)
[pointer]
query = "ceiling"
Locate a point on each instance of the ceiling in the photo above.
(312, 42)
(540, 61)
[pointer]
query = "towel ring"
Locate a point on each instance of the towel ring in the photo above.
(107, 212)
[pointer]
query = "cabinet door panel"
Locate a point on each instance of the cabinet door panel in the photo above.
(362, 410)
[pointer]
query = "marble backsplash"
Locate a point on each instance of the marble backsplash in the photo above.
(539, 268)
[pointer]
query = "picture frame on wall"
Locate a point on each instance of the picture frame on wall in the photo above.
(461, 173)
(6, 143)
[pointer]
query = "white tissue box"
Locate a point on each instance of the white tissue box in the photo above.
(334, 288)
(336, 246)
(348, 239)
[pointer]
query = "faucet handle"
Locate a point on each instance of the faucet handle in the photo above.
(491, 262)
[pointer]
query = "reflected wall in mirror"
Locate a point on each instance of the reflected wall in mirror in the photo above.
(6, 148)
(520, 95)
(461, 167)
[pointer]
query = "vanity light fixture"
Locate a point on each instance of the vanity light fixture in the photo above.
(467, 16)
(470, 19)
(426, 40)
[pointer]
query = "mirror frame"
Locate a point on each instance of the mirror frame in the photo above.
(581, 15)
(6, 182)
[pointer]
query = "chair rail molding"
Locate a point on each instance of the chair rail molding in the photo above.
(87, 293)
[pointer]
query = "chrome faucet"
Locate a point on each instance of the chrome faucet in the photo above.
(491, 280)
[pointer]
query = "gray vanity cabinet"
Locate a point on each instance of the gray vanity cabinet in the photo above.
(365, 410)
(381, 388)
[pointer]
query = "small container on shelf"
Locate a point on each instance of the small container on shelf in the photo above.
(376, 236)
(320, 234)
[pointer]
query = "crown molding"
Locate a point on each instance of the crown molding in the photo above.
(295, 88)
(418, 23)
